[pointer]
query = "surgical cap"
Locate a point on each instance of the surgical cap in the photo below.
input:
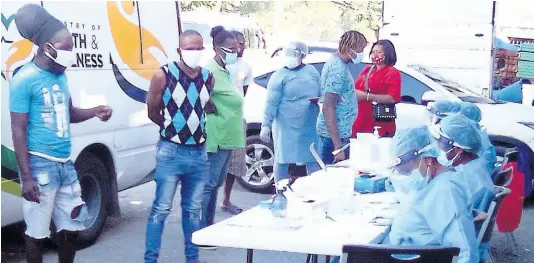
(471, 111)
(443, 108)
(297, 46)
(414, 139)
(37, 25)
(462, 131)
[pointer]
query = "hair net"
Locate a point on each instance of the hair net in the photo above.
(471, 111)
(298, 46)
(414, 139)
(443, 108)
(462, 131)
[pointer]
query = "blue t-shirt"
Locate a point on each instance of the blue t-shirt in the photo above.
(336, 78)
(45, 97)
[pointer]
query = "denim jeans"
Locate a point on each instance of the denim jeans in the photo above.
(326, 147)
(218, 168)
(281, 170)
(60, 193)
(177, 163)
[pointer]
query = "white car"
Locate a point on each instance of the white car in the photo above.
(509, 125)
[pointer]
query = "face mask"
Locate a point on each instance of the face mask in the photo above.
(358, 58)
(191, 57)
(290, 62)
(230, 58)
(442, 158)
(63, 57)
(418, 180)
(377, 60)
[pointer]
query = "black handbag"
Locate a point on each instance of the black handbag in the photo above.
(382, 112)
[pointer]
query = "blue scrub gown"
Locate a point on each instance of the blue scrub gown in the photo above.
(476, 181)
(487, 152)
(292, 116)
(437, 215)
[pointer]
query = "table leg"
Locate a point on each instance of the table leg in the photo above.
(327, 259)
(250, 255)
(315, 258)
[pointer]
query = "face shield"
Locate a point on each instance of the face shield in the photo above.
(400, 164)
(291, 57)
(444, 142)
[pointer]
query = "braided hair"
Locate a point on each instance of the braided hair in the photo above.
(350, 39)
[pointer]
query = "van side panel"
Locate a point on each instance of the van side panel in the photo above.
(455, 42)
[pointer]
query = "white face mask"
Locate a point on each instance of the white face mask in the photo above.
(290, 62)
(191, 58)
(358, 57)
(63, 57)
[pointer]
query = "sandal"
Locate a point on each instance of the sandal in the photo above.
(232, 209)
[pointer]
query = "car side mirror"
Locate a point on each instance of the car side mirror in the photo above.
(429, 96)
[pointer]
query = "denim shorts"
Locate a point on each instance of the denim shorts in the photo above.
(59, 193)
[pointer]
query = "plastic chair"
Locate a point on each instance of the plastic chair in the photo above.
(387, 254)
(509, 217)
(503, 176)
(486, 230)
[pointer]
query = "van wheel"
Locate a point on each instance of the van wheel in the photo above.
(93, 178)
(259, 157)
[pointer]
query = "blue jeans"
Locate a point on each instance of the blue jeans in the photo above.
(326, 147)
(281, 170)
(218, 168)
(177, 163)
(59, 193)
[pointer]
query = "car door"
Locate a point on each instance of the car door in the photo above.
(410, 111)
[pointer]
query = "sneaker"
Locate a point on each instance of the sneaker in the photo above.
(204, 247)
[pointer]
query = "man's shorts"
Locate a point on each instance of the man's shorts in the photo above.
(59, 192)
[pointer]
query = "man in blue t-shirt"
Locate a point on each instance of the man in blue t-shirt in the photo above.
(41, 112)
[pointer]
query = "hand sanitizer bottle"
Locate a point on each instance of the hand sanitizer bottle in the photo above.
(279, 208)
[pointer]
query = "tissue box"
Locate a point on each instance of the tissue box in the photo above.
(369, 184)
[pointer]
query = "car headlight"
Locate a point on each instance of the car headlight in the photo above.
(528, 124)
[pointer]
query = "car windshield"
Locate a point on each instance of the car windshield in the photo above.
(455, 88)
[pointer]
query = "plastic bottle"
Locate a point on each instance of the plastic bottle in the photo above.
(279, 208)
(375, 149)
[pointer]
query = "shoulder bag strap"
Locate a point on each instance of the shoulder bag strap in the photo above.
(366, 81)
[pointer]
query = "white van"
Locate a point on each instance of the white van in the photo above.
(119, 45)
(455, 41)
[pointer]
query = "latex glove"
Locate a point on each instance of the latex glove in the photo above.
(265, 134)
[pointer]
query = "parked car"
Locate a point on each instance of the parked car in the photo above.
(508, 124)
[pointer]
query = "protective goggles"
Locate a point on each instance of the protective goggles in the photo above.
(289, 52)
(408, 157)
(444, 141)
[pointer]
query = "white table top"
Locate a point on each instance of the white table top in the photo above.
(258, 229)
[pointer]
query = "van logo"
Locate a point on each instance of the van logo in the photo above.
(7, 21)
(22, 49)
(133, 51)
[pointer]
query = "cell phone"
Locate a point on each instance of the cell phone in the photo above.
(314, 99)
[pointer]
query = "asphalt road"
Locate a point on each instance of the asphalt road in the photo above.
(124, 237)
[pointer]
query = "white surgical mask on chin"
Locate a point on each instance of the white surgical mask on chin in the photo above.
(191, 58)
(290, 62)
(63, 57)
